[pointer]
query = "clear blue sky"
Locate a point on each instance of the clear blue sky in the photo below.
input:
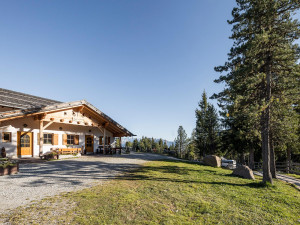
(144, 63)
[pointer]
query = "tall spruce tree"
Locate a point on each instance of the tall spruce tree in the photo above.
(191, 147)
(181, 141)
(201, 134)
(262, 66)
(135, 144)
(207, 127)
(165, 145)
(160, 145)
(240, 135)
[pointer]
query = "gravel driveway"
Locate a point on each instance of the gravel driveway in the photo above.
(39, 180)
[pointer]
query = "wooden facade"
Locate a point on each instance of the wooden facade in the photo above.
(33, 128)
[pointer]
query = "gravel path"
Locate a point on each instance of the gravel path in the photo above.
(39, 180)
(282, 177)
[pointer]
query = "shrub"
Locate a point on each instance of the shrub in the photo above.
(5, 162)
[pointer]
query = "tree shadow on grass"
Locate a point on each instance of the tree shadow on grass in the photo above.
(76, 172)
(144, 173)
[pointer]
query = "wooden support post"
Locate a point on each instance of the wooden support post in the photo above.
(104, 139)
(120, 145)
(41, 137)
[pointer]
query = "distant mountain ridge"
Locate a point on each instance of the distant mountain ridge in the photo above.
(125, 139)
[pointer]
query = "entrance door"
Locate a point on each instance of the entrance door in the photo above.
(24, 143)
(89, 143)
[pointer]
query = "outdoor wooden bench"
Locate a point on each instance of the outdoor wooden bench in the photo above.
(64, 151)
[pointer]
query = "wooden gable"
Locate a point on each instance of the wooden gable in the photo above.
(73, 117)
(79, 116)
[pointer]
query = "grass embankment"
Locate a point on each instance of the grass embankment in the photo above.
(170, 193)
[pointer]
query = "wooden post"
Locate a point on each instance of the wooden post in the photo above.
(104, 134)
(120, 145)
(41, 137)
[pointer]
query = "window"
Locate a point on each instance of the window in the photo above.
(25, 140)
(48, 139)
(6, 137)
(70, 139)
(89, 142)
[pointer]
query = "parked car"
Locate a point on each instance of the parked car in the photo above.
(228, 163)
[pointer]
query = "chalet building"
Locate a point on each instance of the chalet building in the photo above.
(31, 125)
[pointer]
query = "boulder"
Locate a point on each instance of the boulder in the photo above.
(244, 171)
(212, 160)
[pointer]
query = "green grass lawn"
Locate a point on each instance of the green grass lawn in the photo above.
(169, 192)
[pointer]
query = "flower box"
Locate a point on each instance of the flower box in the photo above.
(9, 169)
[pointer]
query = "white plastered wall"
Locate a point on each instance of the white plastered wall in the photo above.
(33, 126)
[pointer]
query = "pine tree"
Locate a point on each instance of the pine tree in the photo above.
(191, 147)
(201, 134)
(142, 145)
(212, 129)
(165, 146)
(152, 143)
(161, 145)
(128, 144)
(181, 141)
(262, 67)
(172, 147)
(156, 147)
(207, 127)
(135, 144)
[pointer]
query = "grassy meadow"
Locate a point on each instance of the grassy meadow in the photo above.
(169, 192)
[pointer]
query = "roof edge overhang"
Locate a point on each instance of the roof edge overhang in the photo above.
(21, 113)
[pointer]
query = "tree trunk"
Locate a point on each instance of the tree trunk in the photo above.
(288, 160)
(251, 159)
(265, 133)
(272, 158)
(179, 149)
(267, 177)
(242, 158)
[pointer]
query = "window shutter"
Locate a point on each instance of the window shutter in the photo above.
(65, 139)
(54, 139)
(100, 140)
(76, 140)
(19, 142)
(108, 140)
(38, 138)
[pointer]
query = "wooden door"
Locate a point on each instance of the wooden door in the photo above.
(89, 143)
(24, 143)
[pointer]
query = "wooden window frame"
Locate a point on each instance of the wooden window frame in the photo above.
(51, 139)
(6, 141)
(70, 141)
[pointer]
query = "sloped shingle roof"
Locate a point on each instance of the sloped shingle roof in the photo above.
(23, 101)
(29, 104)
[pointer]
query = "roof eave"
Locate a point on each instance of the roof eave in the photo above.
(60, 106)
